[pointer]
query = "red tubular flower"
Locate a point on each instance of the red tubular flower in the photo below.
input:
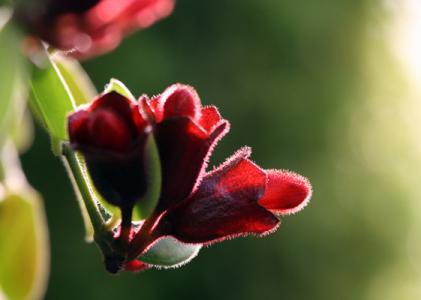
(195, 207)
(186, 134)
(236, 199)
(111, 134)
(91, 27)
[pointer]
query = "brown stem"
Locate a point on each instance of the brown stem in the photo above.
(125, 227)
(117, 256)
(145, 236)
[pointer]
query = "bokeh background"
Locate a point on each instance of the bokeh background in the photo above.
(328, 88)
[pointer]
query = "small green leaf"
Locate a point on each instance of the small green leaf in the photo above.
(78, 82)
(51, 99)
(24, 254)
(170, 253)
(116, 85)
(148, 203)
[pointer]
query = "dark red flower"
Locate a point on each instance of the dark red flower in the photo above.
(111, 134)
(236, 199)
(91, 27)
(186, 134)
(195, 206)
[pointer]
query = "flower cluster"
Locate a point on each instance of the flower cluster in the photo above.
(195, 206)
(86, 28)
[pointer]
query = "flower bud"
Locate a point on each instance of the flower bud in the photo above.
(112, 136)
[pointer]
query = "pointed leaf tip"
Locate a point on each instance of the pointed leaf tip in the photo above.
(116, 85)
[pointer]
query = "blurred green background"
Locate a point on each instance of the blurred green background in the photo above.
(318, 87)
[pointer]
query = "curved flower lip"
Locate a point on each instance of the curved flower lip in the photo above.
(181, 100)
(177, 100)
(286, 192)
(89, 28)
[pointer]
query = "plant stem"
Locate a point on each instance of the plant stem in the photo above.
(146, 235)
(114, 251)
(78, 176)
(125, 227)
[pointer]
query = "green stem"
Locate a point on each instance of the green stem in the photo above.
(114, 251)
(78, 175)
(103, 236)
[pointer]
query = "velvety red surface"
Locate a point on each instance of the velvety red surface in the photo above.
(111, 133)
(195, 206)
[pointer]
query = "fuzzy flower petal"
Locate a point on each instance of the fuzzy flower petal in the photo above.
(194, 206)
(225, 205)
(185, 139)
(184, 149)
(111, 134)
(286, 192)
(111, 122)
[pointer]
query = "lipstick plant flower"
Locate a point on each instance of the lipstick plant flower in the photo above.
(86, 28)
(195, 206)
(139, 166)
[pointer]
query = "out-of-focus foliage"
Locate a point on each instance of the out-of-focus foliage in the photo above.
(312, 86)
(23, 247)
(12, 76)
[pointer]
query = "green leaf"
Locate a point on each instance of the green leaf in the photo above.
(82, 91)
(24, 254)
(147, 205)
(51, 100)
(54, 88)
(13, 78)
(78, 82)
(170, 253)
(116, 85)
